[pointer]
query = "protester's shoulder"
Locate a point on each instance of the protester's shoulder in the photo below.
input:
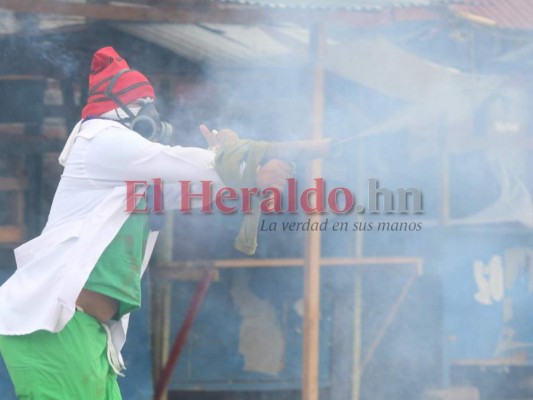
(112, 136)
(96, 127)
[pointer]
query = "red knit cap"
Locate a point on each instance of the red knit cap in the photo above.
(130, 86)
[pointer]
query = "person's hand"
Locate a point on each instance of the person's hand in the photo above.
(274, 173)
(214, 138)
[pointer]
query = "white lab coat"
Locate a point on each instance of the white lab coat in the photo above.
(87, 212)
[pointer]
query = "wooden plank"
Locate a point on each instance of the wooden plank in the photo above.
(11, 234)
(161, 306)
(93, 11)
(220, 14)
(24, 144)
(12, 129)
(188, 13)
(311, 323)
(417, 262)
(181, 4)
(11, 184)
(14, 77)
(155, 328)
(357, 332)
(186, 274)
(357, 338)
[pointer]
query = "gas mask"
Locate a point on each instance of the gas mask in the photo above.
(146, 122)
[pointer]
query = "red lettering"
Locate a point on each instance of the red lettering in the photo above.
(226, 193)
(247, 199)
(186, 196)
(158, 195)
(291, 192)
(272, 204)
(348, 196)
(132, 195)
(316, 206)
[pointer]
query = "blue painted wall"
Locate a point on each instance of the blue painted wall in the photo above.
(211, 359)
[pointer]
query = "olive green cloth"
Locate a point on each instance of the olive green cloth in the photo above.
(228, 161)
(67, 365)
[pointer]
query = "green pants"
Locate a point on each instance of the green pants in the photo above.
(68, 365)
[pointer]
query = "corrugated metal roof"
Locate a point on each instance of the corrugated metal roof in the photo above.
(229, 44)
(235, 45)
(352, 5)
(507, 14)
(216, 44)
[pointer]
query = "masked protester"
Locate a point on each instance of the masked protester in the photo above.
(64, 312)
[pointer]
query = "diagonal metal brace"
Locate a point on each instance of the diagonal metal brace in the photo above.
(181, 338)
